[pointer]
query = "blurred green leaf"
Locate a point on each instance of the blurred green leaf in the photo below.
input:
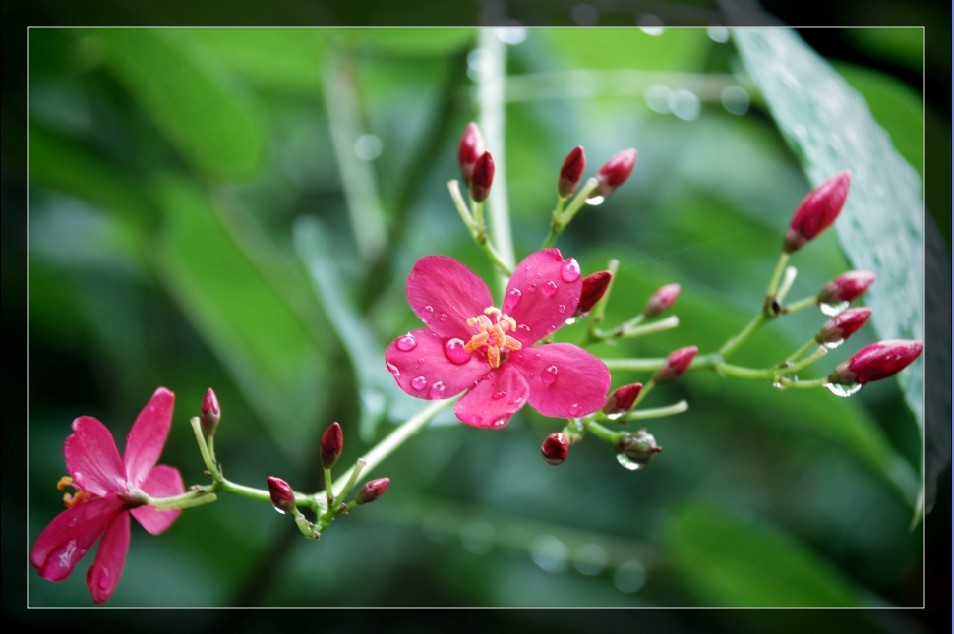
(190, 97)
(882, 226)
(412, 41)
(730, 562)
(618, 48)
(899, 45)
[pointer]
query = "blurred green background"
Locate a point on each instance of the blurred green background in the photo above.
(239, 208)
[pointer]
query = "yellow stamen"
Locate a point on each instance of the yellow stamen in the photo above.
(492, 329)
(72, 499)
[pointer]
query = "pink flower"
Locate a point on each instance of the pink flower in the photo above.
(109, 489)
(471, 346)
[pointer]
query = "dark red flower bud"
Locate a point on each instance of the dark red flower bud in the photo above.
(372, 490)
(331, 444)
(846, 287)
(482, 178)
(842, 325)
(877, 361)
(621, 400)
(594, 287)
(615, 171)
(818, 210)
(676, 365)
(572, 171)
(282, 495)
(639, 448)
(470, 148)
(211, 414)
(555, 447)
(662, 300)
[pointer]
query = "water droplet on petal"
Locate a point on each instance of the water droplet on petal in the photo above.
(595, 200)
(513, 298)
(500, 423)
(419, 383)
(420, 360)
(393, 370)
(523, 329)
(549, 375)
(831, 345)
(455, 353)
(575, 410)
(428, 314)
(627, 462)
(571, 270)
(516, 400)
(833, 309)
(406, 343)
(843, 390)
(437, 390)
(561, 309)
(443, 316)
(550, 288)
(498, 395)
(537, 355)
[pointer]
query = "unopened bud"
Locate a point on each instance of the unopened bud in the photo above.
(676, 365)
(372, 491)
(331, 444)
(470, 148)
(594, 287)
(640, 447)
(555, 447)
(842, 325)
(572, 171)
(662, 300)
(877, 361)
(622, 399)
(482, 178)
(817, 211)
(615, 171)
(846, 287)
(281, 495)
(211, 414)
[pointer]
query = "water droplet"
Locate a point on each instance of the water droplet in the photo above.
(627, 462)
(570, 321)
(615, 415)
(843, 390)
(406, 343)
(561, 309)
(550, 288)
(443, 316)
(498, 395)
(537, 355)
(437, 390)
(831, 345)
(571, 270)
(500, 423)
(393, 370)
(549, 375)
(513, 298)
(516, 400)
(575, 410)
(523, 329)
(595, 200)
(833, 309)
(278, 510)
(428, 314)
(455, 353)
(419, 383)
(420, 360)
(778, 385)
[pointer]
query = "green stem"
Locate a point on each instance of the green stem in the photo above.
(601, 432)
(476, 228)
(786, 382)
(788, 278)
(635, 365)
(195, 497)
(805, 302)
(777, 275)
(746, 373)
(732, 344)
(627, 332)
(561, 220)
(807, 361)
(204, 448)
(798, 354)
(657, 412)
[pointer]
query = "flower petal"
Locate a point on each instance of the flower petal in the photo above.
(107, 568)
(93, 459)
(425, 371)
(565, 380)
(494, 400)
(148, 435)
(542, 294)
(163, 481)
(71, 534)
(444, 294)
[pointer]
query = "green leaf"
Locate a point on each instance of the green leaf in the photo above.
(727, 561)
(830, 127)
(412, 41)
(192, 99)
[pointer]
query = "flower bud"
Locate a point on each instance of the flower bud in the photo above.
(676, 365)
(877, 361)
(842, 325)
(615, 171)
(482, 178)
(621, 400)
(470, 148)
(662, 300)
(818, 210)
(331, 444)
(555, 447)
(639, 447)
(594, 287)
(211, 414)
(846, 287)
(282, 496)
(372, 490)
(572, 171)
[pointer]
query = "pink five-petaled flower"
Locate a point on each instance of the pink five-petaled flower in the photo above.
(109, 489)
(472, 346)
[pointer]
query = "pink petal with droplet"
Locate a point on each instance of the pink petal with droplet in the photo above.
(449, 288)
(107, 568)
(581, 381)
(147, 437)
(479, 408)
(163, 481)
(436, 367)
(71, 534)
(538, 308)
(93, 459)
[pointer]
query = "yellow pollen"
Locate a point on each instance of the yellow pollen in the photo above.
(492, 329)
(71, 499)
